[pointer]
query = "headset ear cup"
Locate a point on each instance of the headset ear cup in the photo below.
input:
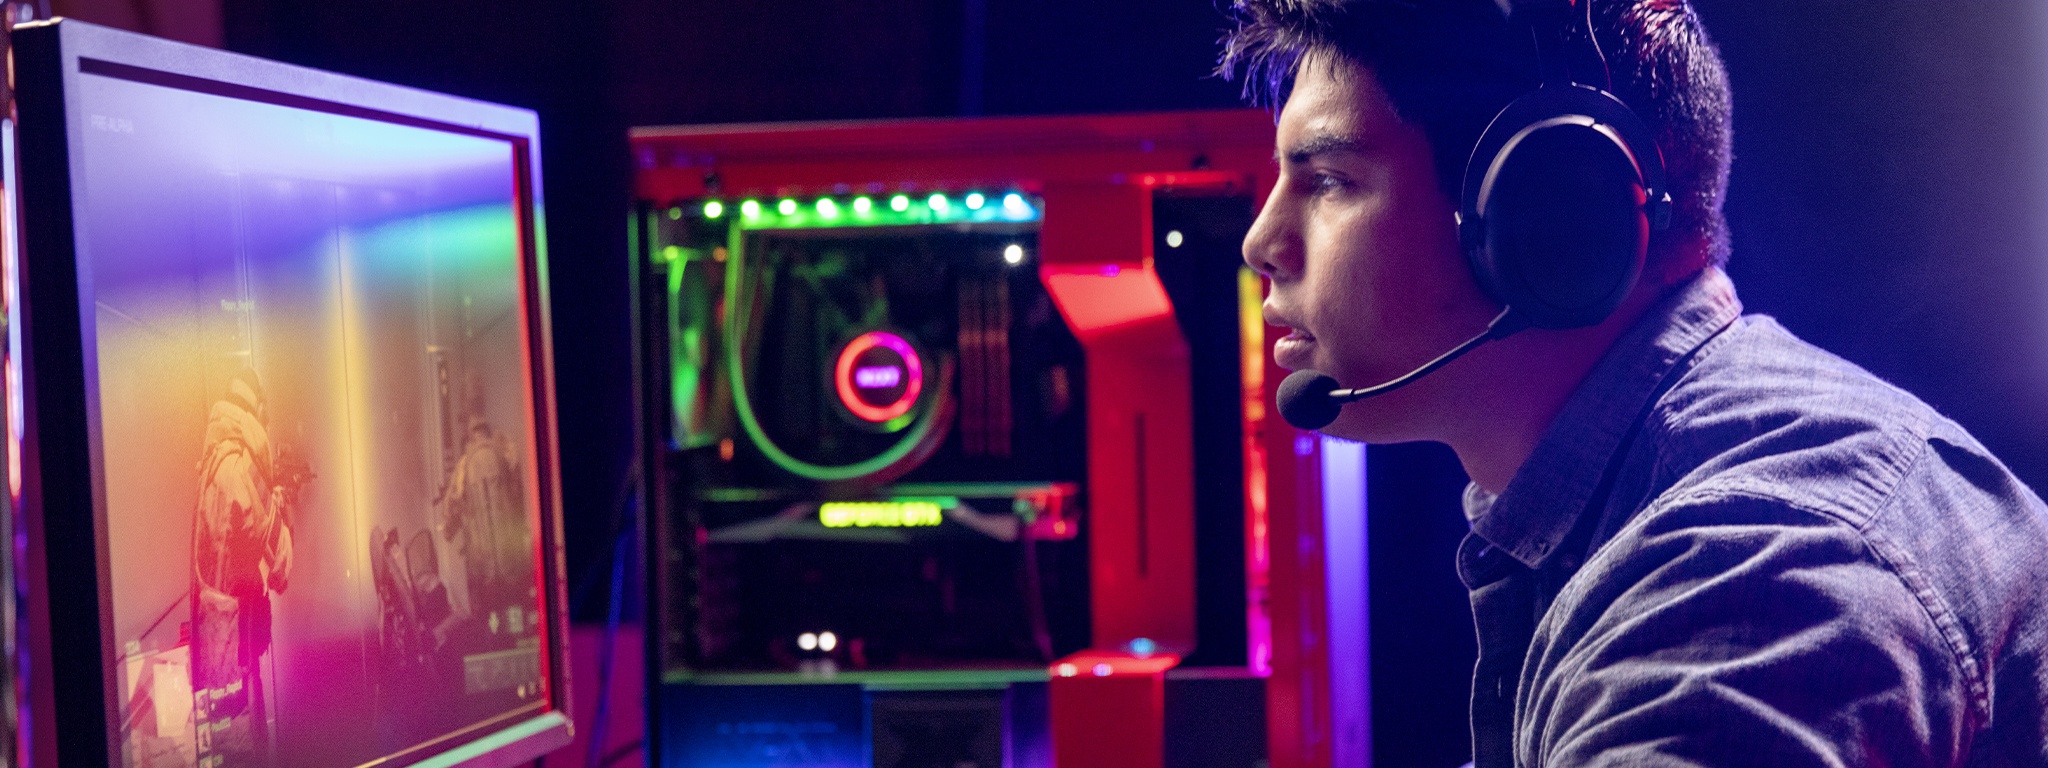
(1554, 222)
(1564, 227)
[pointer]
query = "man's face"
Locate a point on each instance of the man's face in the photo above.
(1361, 246)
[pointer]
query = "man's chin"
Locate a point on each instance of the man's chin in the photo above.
(1350, 427)
(1379, 421)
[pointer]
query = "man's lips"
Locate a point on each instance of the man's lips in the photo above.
(1295, 351)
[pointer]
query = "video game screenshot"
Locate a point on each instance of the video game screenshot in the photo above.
(315, 427)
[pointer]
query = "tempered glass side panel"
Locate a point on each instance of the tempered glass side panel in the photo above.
(757, 567)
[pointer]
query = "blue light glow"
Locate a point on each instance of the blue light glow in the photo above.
(1344, 539)
(765, 726)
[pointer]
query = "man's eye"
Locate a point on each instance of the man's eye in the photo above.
(1323, 182)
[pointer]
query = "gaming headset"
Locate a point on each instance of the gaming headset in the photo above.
(1561, 194)
(1565, 185)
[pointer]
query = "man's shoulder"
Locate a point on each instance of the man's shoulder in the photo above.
(1760, 414)
(1764, 421)
(1769, 446)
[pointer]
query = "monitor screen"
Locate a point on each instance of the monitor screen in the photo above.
(321, 457)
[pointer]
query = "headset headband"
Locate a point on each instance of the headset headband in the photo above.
(1565, 47)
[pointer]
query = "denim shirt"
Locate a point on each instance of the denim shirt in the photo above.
(1733, 548)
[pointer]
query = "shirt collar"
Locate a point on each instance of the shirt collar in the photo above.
(1554, 486)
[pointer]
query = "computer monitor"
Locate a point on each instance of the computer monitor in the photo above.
(278, 342)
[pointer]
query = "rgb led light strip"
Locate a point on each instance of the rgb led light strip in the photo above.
(872, 211)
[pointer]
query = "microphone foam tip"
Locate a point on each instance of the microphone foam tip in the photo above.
(1305, 401)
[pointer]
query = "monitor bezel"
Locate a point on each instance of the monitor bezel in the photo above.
(72, 695)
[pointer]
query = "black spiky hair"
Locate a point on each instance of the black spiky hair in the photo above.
(1449, 66)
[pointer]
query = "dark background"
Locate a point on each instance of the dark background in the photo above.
(1890, 179)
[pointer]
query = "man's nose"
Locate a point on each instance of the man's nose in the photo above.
(1269, 246)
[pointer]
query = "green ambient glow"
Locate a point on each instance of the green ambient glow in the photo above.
(880, 514)
(827, 208)
(712, 210)
(751, 209)
(787, 206)
(675, 212)
(475, 237)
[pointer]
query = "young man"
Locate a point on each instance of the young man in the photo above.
(1696, 540)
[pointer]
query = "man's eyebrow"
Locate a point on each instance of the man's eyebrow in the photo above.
(1322, 145)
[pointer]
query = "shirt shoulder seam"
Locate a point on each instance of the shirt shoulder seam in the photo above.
(1903, 567)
